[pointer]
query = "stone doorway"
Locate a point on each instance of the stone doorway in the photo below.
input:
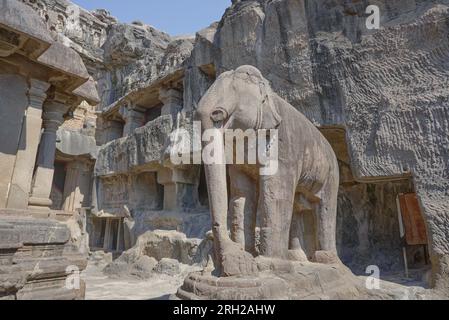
(106, 234)
(71, 186)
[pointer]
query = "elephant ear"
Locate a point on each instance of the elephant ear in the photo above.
(269, 117)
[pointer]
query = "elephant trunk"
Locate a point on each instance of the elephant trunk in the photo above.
(218, 200)
(217, 189)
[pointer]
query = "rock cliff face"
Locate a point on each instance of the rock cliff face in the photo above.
(121, 57)
(387, 89)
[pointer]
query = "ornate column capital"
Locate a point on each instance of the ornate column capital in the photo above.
(37, 93)
(172, 100)
(55, 108)
(170, 96)
(79, 165)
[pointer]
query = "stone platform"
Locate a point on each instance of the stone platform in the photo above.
(35, 253)
(287, 280)
(277, 280)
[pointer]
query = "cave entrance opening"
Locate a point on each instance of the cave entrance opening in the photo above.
(106, 234)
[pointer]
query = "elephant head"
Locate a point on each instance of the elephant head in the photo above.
(240, 99)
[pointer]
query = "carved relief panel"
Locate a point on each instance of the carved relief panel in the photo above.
(114, 193)
(139, 192)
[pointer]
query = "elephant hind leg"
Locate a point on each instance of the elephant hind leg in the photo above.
(327, 216)
(296, 251)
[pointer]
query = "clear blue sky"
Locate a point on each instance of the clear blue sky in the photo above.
(176, 17)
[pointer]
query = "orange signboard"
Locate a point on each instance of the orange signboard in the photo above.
(413, 220)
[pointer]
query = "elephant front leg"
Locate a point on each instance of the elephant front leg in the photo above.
(296, 251)
(243, 210)
(327, 221)
(276, 195)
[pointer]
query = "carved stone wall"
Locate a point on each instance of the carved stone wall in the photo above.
(35, 255)
(368, 226)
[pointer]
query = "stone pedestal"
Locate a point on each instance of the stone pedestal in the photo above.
(36, 259)
(289, 280)
(28, 145)
(180, 188)
(172, 100)
(54, 111)
(293, 280)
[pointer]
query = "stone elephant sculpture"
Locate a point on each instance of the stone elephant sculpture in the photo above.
(307, 169)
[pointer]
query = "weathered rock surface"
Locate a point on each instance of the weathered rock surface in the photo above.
(36, 255)
(120, 57)
(131, 55)
(143, 267)
(368, 229)
(144, 147)
(281, 280)
(162, 252)
(387, 87)
(75, 143)
(100, 259)
(168, 266)
(168, 244)
(79, 237)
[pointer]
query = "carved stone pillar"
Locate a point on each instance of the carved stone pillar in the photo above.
(172, 100)
(180, 188)
(28, 145)
(54, 111)
(112, 130)
(77, 186)
(134, 118)
(107, 235)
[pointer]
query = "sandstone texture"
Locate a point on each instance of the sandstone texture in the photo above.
(295, 281)
(35, 256)
(160, 252)
(385, 87)
(93, 109)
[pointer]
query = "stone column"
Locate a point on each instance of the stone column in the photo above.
(134, 118)
(108, 236)
(172, 100)
(54, 111)
(180, 188)
(77, 186)
(112, 130)
(28, 145)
